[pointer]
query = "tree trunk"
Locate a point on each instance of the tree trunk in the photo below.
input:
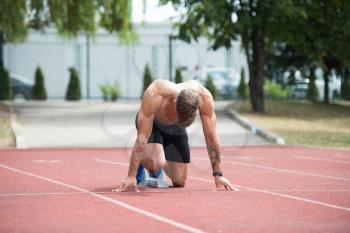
(326, 87)
(1, 50)
(256, 83)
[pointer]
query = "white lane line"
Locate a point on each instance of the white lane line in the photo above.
(194, 178)
(283, 170)
(252, 189)
(113, 201)
(282, 195)
(320, 159)
(111, 162)
(38, 194)
(45, 161)
(342, 156)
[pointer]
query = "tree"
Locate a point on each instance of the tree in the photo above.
(312, 91)
(73, 89)
(322, 36)
(209, 84)
(5, 85)
(68, 17)
(258, 22)
(147, 78)
(39, 91)
(242, 87)
(178, 75)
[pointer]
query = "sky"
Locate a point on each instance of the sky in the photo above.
(154, 13)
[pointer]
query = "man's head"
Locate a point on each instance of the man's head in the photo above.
(187, 103)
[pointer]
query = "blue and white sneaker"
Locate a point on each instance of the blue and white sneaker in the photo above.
(155, 179)
(142, 177)
(158, 180)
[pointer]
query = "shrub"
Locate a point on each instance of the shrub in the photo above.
(275, 90)
(110, 91)
(147, 78)
(242, 87)
(104, 88)
(209, 84)
(39, 91)
(73, 90)
(115, 91)
(178, 75)
(5, 85)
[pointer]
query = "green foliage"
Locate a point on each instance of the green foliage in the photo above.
(116, 17)
(178, 75)
(209, 84)
(345, 86)
(71, 17)
(147, 78)
(39, 91)
(73, 90)
(275, 90)
(13, 25)
(68, 17)
(259, 22)
(115, 91)
(5, 85)
(104, 88)
(110, 91)
(319, 38)
(242, 87)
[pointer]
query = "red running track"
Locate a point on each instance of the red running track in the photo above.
(282, 189)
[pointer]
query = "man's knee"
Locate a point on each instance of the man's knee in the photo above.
(179, 183)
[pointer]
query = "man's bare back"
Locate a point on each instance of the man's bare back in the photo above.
(161, 96)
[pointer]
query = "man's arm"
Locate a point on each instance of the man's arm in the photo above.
(150, 102)
(208, 119)
(144, 129)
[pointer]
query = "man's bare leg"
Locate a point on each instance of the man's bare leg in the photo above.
(177, 172)
(154, 160)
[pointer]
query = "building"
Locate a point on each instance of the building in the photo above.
(105, 59)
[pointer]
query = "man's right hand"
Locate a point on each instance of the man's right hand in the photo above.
(129, 184)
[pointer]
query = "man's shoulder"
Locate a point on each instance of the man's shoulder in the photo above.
(158, 83)
(206, 106)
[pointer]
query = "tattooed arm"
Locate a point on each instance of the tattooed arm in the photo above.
(208, 119)
(214, 155)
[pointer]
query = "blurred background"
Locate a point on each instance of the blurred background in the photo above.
(72, 72)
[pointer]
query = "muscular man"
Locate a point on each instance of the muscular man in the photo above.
(162, 143)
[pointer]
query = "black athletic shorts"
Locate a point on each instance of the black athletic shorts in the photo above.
(174, 140)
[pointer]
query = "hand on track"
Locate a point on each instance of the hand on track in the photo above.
(129, 184)
(221, 181)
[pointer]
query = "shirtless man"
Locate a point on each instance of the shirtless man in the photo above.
(162, 143)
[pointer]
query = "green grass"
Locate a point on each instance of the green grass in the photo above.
(303, 122)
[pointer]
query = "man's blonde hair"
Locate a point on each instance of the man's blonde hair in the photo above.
(187, 104)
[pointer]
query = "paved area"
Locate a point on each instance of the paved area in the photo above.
(97, 124)
(281, 189)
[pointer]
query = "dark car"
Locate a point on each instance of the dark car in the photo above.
(21, 87)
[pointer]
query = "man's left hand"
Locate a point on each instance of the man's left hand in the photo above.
(221, 181)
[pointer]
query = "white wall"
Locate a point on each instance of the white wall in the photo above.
(109, 60)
